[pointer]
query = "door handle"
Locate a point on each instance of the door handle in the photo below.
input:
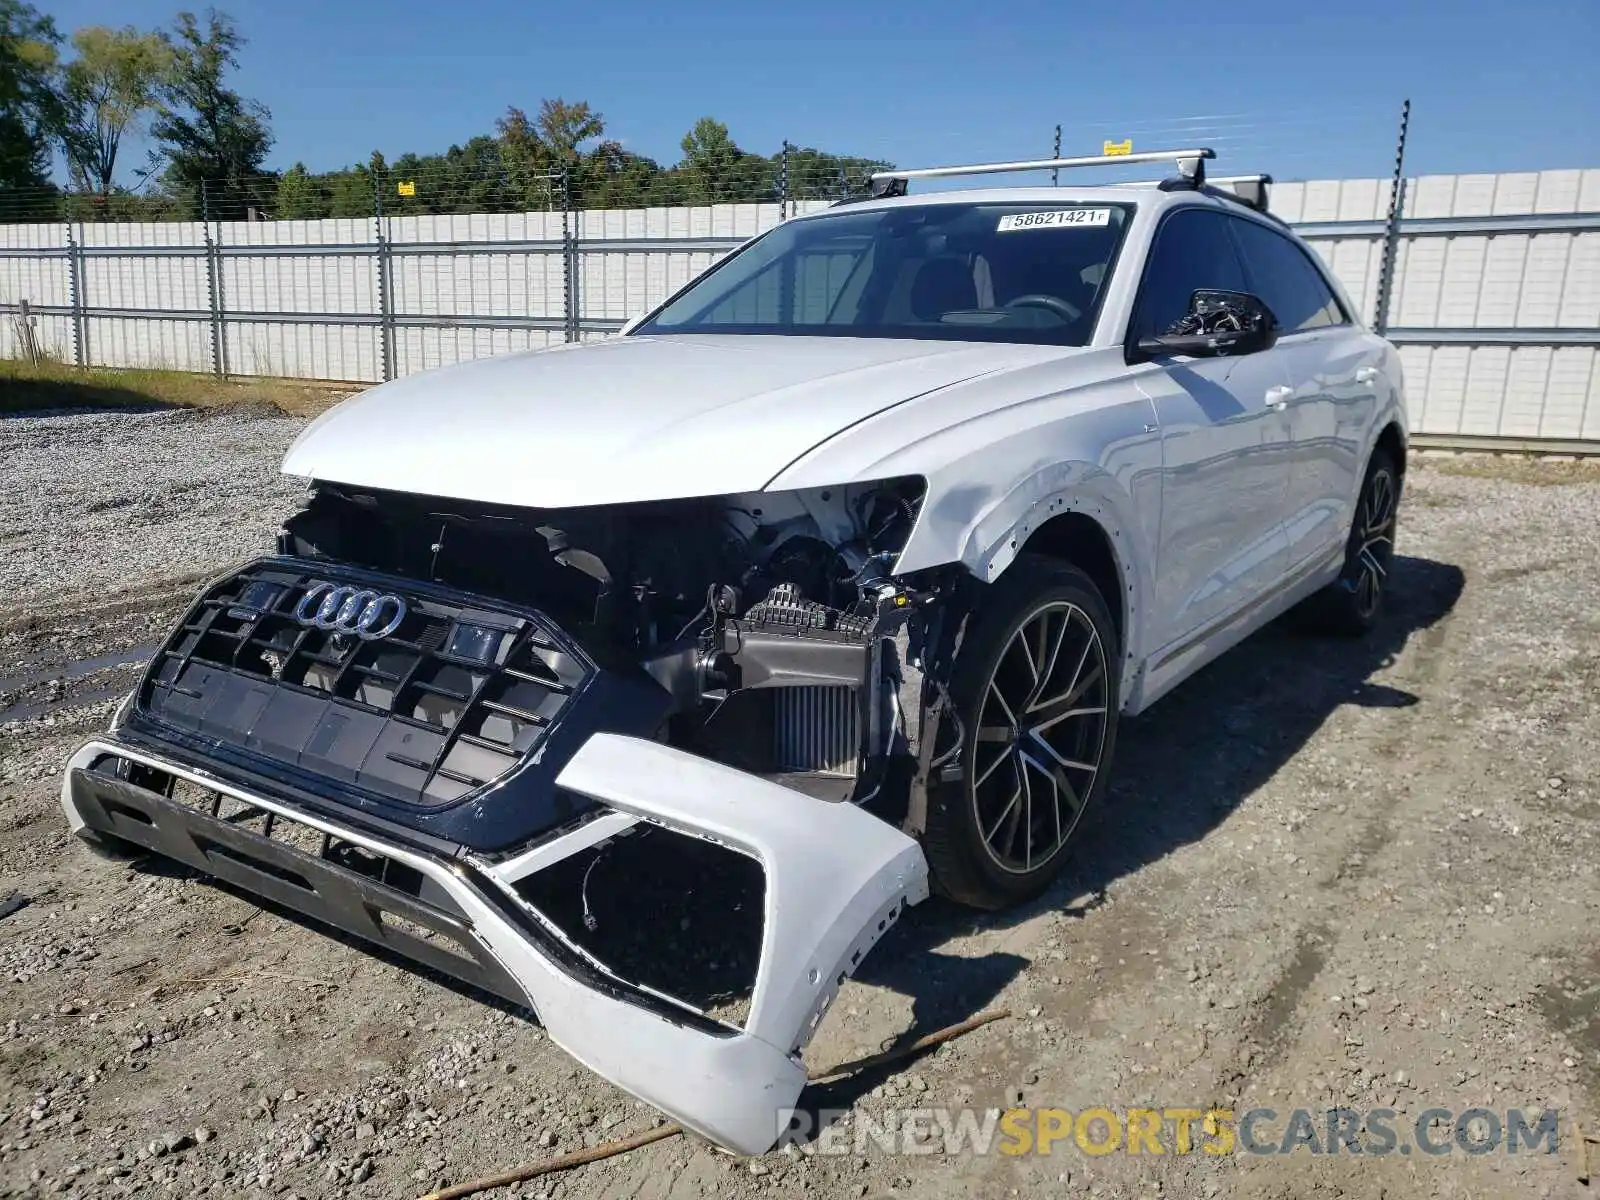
(1367, 375)
(1278, 397)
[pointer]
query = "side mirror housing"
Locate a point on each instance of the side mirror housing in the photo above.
(1219, 323)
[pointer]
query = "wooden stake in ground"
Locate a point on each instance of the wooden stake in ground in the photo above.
(1583, 1151)
(562, 1162)
(927, 1042)
(578, 1158)
(27, 332)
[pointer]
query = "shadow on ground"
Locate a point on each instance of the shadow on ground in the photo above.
(1181, 768)
(1188, 762)
(31, 397)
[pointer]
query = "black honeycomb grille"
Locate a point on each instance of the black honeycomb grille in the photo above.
(411, 717)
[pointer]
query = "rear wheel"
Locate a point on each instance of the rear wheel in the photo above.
(1353, 603)
(1035, 687)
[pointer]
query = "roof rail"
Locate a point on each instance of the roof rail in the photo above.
(1191, 167)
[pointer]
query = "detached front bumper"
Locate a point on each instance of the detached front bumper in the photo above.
(836, 879)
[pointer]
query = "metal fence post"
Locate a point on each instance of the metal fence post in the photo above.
(213, 285)
(569, 259)
(222, 305)
(1391, 233)
(783, 183)
(80, 328)
(385, 301)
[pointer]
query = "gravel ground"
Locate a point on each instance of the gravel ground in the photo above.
(152, 496)
(1328, 874)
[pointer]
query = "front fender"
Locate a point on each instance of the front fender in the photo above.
(996, 528)
(1003, 455)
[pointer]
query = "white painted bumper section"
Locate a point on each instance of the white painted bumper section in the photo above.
(836, 878)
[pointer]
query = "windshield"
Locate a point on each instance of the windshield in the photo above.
(1003, 272)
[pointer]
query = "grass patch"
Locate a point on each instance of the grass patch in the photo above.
(27, 388)
(1514, 468)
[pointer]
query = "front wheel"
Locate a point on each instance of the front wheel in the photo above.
(1035, 687)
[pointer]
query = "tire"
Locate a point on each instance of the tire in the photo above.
(1033, 743)
(1352, 604)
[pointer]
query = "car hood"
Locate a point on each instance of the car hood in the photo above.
(630, 418)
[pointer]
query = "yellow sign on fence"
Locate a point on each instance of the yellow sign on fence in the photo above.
(1118, 148)
(406, 187)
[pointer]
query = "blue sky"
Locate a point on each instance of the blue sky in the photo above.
(1303, 91)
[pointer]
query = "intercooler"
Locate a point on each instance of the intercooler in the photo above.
(817, 729)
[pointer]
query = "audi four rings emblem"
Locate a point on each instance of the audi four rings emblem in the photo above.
(367, 614)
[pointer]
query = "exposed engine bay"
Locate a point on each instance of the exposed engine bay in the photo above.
(771, 619)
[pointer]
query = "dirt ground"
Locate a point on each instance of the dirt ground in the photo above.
(1329, 874)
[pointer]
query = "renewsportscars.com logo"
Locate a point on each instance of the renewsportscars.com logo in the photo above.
(1375, 1132)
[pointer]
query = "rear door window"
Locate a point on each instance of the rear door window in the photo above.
(1283, 276)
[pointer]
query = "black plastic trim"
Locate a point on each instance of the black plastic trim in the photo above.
(345, 899)
(206, 758)
(320, 889)
(522, 804)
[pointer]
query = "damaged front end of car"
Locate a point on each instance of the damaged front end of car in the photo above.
(653, 770)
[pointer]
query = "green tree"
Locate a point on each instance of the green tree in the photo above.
(300, 197)
(564, 127)
(816, 174)
(519, 168)
(525, 158)
(120, 204)
(709, 160)
(473, 178)
(535, 151)
(378, 170)
(610, 177)
(31, 110)
(112, 84)
(350, 193)
(716, 171)
(208, 132)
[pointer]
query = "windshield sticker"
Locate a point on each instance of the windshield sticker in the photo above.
(1054, 218)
